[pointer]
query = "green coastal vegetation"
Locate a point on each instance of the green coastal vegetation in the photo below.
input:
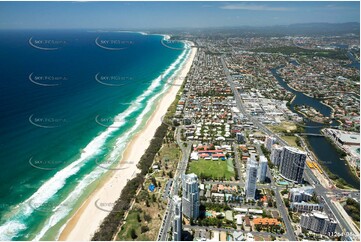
(115, 218)
(111, 223)
(352, 208)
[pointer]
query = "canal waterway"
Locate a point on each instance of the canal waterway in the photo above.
(322, 148)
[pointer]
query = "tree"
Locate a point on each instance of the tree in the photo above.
(287, 202)
(147, 217)
(269, 202)
(170, 174)
(191, 221)
(274, 204)
(259, 203)
(133, 234)
(154, 181)
(138, 218)
(144, 229)
(283, 192)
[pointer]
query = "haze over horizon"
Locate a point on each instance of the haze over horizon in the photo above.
(145, 15)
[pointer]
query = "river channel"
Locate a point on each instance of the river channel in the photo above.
(322, 148)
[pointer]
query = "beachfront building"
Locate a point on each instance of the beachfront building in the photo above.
(251, 179)
(292, 164)
(276, 154)
(269, 141)
(262, 169)
(190, 198)
(177, 218)
(318, 222)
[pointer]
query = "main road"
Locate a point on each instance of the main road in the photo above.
(177, 181)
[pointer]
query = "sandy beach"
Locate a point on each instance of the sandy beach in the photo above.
(90, 215)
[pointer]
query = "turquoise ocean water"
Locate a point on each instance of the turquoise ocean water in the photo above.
(70, 102)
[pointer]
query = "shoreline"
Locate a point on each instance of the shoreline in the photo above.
(87, 219)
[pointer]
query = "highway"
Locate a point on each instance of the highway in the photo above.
(308, 174)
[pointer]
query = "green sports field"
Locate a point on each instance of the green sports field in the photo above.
(214, 169)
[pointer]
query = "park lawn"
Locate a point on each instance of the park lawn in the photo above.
(169, 152)
(167, 158)
(131, 223)
(214, 169)
(291, 140)
(283, 127)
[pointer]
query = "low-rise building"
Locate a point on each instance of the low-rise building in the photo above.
(301, 194)
(306, 207)
(264, 222)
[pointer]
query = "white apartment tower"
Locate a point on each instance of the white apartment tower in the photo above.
(251, 179)
(177, 218)
(262, 169)
(269, 141)
(190, 198)
(276, 154)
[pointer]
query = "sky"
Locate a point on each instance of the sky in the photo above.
(145, 15)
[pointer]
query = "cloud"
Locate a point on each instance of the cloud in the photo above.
(253, 7)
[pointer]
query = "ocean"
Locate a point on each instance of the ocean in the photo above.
(70, 102)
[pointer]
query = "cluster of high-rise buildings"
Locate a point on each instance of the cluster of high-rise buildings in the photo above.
(290, 160)
(188, 205)
(256, 171)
